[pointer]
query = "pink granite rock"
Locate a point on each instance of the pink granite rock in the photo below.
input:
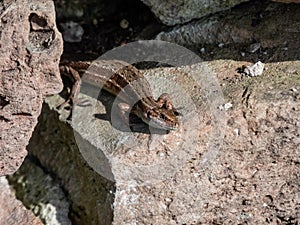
(30, 51)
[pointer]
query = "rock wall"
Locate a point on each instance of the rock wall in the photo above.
(30, 51)
(253, 178)
(271, 27)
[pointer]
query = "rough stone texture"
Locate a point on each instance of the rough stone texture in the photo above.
(255, 177)
(138, 156)
(252, 179)
(178, 12)
(90, 195)
(30, 51)
(40, 193)
(271, 27)
(12, 210)
(287, 1)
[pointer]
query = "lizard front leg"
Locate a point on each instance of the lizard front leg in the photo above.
(127, 116)
(72, 70)
(164, 101)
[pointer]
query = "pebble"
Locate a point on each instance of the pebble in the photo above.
(254, 47)
(196, 175)
(236, 132)
(225, 106)
(254, 70)
(168, 200)
(294, 90)
(124, 24)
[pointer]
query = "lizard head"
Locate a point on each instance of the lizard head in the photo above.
(162, 118)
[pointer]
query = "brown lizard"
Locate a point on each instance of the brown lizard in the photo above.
(127, 83)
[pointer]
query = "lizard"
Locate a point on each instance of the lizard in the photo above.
(127, 83)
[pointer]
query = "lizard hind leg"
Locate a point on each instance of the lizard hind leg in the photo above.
(75, 77)
(124, 112)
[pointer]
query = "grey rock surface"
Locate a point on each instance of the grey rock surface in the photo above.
(287, 1)
(140, 157)
(30, 51)
(12, 211)
(179, 12)
(255, 22)
(90, 195)
(40, 193)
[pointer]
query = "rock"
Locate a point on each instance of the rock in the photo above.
(178, 12)
(124, 24)
(241, 179)
(40, 193)
(225, 106)
(260, 146)
(254, 47)
(12, 210)
(30, 51)
(139, 155)
(254, 70)
(271, 28)
(249, 177)
(90, 196)
(287, 1)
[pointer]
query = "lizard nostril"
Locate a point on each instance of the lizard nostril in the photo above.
(149, 115)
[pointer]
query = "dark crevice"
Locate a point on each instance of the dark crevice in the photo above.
(37, 22)
(41, 36)
(2, 118)
(3, 102)
(22, 114)
(35, 19)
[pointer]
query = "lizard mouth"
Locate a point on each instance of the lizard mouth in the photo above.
(161, 124)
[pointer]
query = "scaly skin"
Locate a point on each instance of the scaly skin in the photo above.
(127, 83)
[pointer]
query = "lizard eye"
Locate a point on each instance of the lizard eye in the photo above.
(162, 116)
(149, 115)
